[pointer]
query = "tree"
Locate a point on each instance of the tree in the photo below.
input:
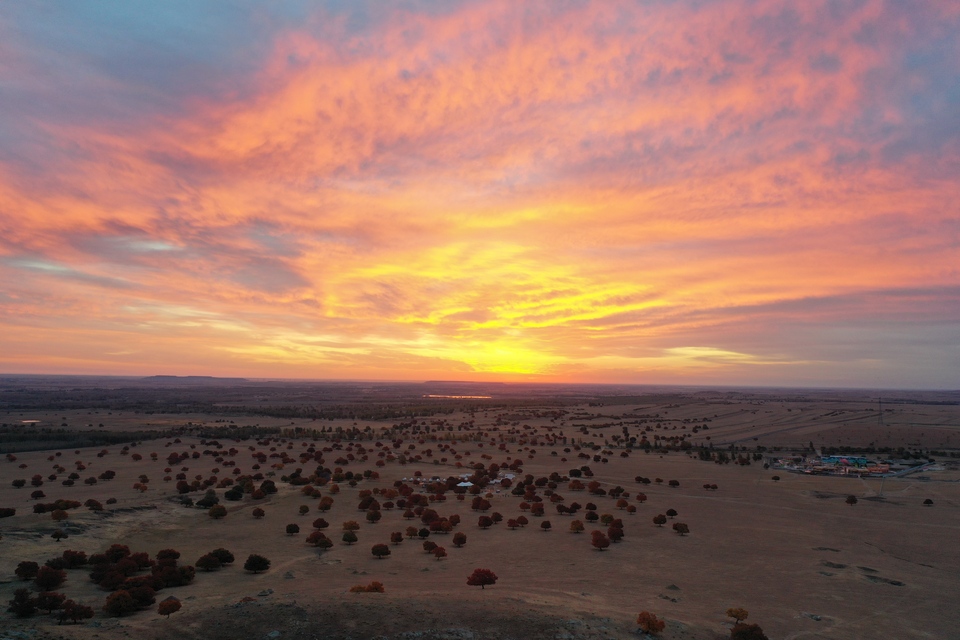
(74, 611)
(320, 523)
(349, 537)
(209, 562)
(681, 528)
(119, 603)
(429, 546)
(851, 500)
(48, 578)
(671, 513)
(739, 614)
(649, 623)
(459, 539)
(674, 483)
(599, 540)
(223, 555)
(485, 522)
(439, 553)
(304, 509)
(217, 511)
(928, 502)
(481, 578)
(22, 605)
(396, 537)
(545, 525)
(50, 600)
(380, 551)
(256, 563)
(776, 478)
(168, 606)
(351, 525)
(293, 529)
(660, 520)
(27, 570)
(319, 539)
(576, 526)
(742, 631)
(257, 513)
(615, 534)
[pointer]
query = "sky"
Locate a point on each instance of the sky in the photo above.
(758, 192)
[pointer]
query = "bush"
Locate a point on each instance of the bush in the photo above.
(741, 631)
(373, 587)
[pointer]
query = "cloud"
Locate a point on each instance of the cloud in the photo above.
(560, 190)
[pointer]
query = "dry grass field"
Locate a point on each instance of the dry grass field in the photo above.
(803, 562)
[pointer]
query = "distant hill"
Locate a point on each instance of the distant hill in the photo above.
(192, 380)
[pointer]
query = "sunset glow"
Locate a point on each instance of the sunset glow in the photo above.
(640, 192)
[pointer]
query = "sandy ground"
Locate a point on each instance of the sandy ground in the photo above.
(793, 553)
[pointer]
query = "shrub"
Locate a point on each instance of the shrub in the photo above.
(742, 631)
(293, 529)
(373, 587)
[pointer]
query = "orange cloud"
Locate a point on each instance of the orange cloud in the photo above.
(601, 191)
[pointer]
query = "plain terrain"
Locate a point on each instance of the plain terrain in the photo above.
(792, 552)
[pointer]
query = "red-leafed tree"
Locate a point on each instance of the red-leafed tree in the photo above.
(48, 578)
(599, 541)
(649, 623)
(168, 606)
(209, 562)
(481, 578)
